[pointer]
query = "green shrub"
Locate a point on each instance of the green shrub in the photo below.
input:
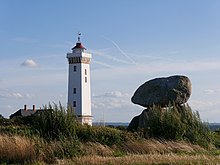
(58, 126)
(55, 121)
(217, 138)
(17, 130)
(66, 148)
(177, 122)
(104, 135)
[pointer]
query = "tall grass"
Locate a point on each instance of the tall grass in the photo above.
(177, 122)
(58, 125)
(152, 146)
(55, 122)
(56, 134)
(16, 149)
(145, 159)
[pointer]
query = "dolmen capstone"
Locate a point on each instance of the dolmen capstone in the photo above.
(162, 91)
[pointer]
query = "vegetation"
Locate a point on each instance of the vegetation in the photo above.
(175, 135)
(178, 122)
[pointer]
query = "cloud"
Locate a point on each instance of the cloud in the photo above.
(8, 94)
(208, 109)
(103, 64)
(114, 106)
(114, 94)
(212, 91)
(154, 68)
(29, 63)
(59, 45)
(110, 57)
(120, 50)
(30, 96)
(111, 100)
(5, 93)
(25, 40)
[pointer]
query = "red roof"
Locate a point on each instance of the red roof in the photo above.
(79, 45)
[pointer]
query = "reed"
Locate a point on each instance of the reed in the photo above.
(16, 149)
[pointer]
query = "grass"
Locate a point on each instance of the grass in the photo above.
(104, 135)
(177, 122)
(144, 159)
(151, 146)
(16, 149)
(55, 137)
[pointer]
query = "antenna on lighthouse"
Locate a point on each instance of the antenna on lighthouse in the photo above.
(79, 34)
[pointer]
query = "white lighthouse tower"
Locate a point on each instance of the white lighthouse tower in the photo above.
(79, 89)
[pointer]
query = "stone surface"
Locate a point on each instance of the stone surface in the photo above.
(162, 91)
(140, 121)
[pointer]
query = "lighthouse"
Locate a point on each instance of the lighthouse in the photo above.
(79, 88)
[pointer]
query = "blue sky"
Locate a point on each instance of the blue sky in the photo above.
(131, 42)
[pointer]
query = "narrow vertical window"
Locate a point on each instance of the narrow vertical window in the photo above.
(74, 103)
(85, 72)
(74, 90)
(74, 68)
(85, 79)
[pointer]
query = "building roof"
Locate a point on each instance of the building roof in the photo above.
(78, 45)
(24, 113)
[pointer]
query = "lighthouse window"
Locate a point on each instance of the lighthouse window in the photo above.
(74, 90)
(74, 103)
(85, 79)
(74, 68)
(85, 72)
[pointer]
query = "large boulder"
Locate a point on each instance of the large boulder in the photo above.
(140, 121)
(162, 91)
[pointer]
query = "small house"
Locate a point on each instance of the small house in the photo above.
(26, 112)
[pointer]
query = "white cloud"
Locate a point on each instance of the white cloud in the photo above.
(59, 45)
(29, 63)
(212, 91)
(114, 106)
(208, 109)
(17, 95)
(113, 94)
(102, 64)
(30, 96)
(9, 94)
(5, 93)
(9, 106)
(120, 50)
(24, 40)
(111, 100)
(159, 67)
(110, 57)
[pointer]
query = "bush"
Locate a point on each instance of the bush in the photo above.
(58, 126)
(177, 122)
(217, 138)
(104, 135)
(55, 122)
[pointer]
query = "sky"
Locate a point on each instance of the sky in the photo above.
(131, 42)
